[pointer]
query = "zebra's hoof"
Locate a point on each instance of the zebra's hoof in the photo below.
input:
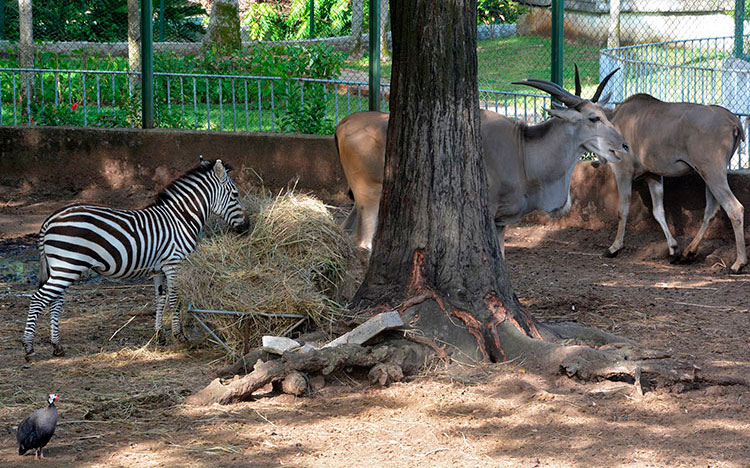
(30, 355)
(161, 340)
(58, 350)
(181, 338)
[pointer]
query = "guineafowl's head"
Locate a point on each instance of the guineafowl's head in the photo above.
(53, 397)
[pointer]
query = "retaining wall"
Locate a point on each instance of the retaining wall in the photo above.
(127, 167)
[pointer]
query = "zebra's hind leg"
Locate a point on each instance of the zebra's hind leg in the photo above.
(54, 319)
(39, 301)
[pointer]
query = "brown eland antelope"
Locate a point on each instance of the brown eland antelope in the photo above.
(670, 140)
(528, 166)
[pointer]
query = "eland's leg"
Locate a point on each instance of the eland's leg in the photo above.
(708, 214)
(351, 221)
(500, 232)
(367, 224)
(160, 291)
(735, 211)
(624, 179)
(656, 189)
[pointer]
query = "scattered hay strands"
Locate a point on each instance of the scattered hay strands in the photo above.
(295, 261)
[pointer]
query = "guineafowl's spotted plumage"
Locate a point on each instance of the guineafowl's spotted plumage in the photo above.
(38, 428)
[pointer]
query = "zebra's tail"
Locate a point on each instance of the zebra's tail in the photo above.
(43, 266)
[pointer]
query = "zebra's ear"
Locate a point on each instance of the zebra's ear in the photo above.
(219, 170)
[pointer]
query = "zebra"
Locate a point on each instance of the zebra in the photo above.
(130, 243)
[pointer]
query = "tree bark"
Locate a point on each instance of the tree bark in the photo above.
(134, 40)
(436, 239)
(613, 35)
(25, 49)
(357, 21)
(223, 32)
(384, 52)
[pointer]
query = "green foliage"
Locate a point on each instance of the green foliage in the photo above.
(308, 116)
(101, 20)
(271, 21)
(118, 102)
(498, 11)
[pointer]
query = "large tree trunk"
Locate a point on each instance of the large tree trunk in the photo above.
(134, 39)
(25, 49)
(435, 246)
(357, 21)
(384, 52)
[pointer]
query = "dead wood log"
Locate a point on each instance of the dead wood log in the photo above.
(244, 365)
(407, 355)
(295, 384)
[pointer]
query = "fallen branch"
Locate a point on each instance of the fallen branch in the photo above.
(408, 356)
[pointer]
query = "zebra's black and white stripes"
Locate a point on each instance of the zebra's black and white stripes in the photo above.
(130, 243)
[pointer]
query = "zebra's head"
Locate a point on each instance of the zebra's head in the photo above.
(226, 202)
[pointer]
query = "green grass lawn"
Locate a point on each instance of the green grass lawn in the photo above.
(502, 61)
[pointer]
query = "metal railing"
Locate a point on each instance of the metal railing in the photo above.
(703, 71)
(100, 98)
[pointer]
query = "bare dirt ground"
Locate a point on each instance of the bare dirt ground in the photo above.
(121, 399)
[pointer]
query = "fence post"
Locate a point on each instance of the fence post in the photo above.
(312, 19)
(558, 17)
(374, 39)
(161, 20)
(739, 26)
(147, 64)
(2, 20)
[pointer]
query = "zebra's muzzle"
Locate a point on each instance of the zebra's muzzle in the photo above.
(245, 226)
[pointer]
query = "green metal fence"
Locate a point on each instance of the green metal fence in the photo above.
(301, 65)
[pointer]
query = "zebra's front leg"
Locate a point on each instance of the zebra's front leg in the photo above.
(160, 290)
(171, 272)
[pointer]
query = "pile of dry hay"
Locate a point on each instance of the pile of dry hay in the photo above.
(295, 260)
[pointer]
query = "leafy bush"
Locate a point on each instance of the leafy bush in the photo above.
(278, 21)
(101, 20)
(498, 11)
(114, 102)
(307, 116)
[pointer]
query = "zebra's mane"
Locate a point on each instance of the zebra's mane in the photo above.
(205, 167)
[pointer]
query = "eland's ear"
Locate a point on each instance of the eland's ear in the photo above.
(219, 170)
(571, 115)
(605, 100)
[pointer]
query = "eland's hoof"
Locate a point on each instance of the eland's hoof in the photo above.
(58, 350)
(737, 268)
(687, 257)
(609, 254)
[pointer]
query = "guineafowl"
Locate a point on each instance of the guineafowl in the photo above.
(37, 429)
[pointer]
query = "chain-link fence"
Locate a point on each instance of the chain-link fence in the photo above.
(301, 65)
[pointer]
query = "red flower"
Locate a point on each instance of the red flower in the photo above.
(74, 106)
(54, 110)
